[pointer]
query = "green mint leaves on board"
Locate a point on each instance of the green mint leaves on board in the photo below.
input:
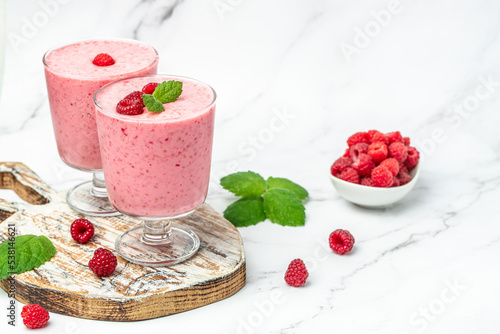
(166, 92)
(278, 199)
(24, 253)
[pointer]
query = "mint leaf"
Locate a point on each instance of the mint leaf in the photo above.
(246, 184)
(281, 183)
(168, 91)
(246, 212)
(26, 252)
(284, 207)
(152, 104)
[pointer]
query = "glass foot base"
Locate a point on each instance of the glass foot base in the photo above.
(81, 199)
(183, 245)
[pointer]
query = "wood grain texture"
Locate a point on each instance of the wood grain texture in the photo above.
(66, 285)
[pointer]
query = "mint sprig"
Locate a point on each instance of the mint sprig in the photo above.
(245, 184)
(166, 92)
(246, 212)
(284, 207)
(278, 199)
(24, 253)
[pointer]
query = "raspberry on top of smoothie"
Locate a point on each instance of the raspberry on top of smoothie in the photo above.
(103, 59)
(153, 96)
(196, 97)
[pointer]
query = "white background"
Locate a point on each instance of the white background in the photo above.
(335, 68)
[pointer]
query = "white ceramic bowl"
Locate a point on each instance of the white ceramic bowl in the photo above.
(373, 197)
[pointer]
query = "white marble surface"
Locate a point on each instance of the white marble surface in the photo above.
(427, 265)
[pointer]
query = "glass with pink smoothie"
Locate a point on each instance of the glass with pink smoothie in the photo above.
(73, 74)
(157, 165)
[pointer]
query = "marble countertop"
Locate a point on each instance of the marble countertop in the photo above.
(294, 80)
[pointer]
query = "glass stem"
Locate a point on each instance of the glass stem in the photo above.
(98, 185)
(156, 232)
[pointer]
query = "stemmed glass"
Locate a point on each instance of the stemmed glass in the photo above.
(72, 80)
(157, 166)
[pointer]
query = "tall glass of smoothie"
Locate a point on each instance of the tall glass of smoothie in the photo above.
(157, 165)
(73, 74)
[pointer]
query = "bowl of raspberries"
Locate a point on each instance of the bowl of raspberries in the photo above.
(377, 169)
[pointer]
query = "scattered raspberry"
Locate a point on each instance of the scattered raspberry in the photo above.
(366, 181)
(339, 165)
(406, 141)
(296, 274)
(395, 182)
(103, 59)
(350, 175)
(364, 164)
(341, 241)
(357, 149)
(378, 151)
(404, 178)
(398, 151)
(150, 88)
(382, 177)
(34, 316)
(375, 136)
(391, 164)
(82, 230)
(360, 137)
(394, 137)
(413, 157)
(103, 263)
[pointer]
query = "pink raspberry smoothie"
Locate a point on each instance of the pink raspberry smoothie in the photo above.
(157, 164)
(72, 80)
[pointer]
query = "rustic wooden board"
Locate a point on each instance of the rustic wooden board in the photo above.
(67, 286)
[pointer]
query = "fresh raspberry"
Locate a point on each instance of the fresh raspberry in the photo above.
(398, 151)
(364, 164)
(404, 178)
(394, 137)
(382, 177)
(130, 107)
(403, 169)
(103, 59)
(366, 181)
(341, 241)
(359, 137)
(34, 316)
(339, 165)
(356, 149)
(135, 96)
(350, 175)
(103, 263)
(413, 157)
(150, 88)
(392, 164)
(296, 274)
(395, 182)
(375, 136)
(347, 153)
(378, 151)
(82, 230)
(406, 141)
